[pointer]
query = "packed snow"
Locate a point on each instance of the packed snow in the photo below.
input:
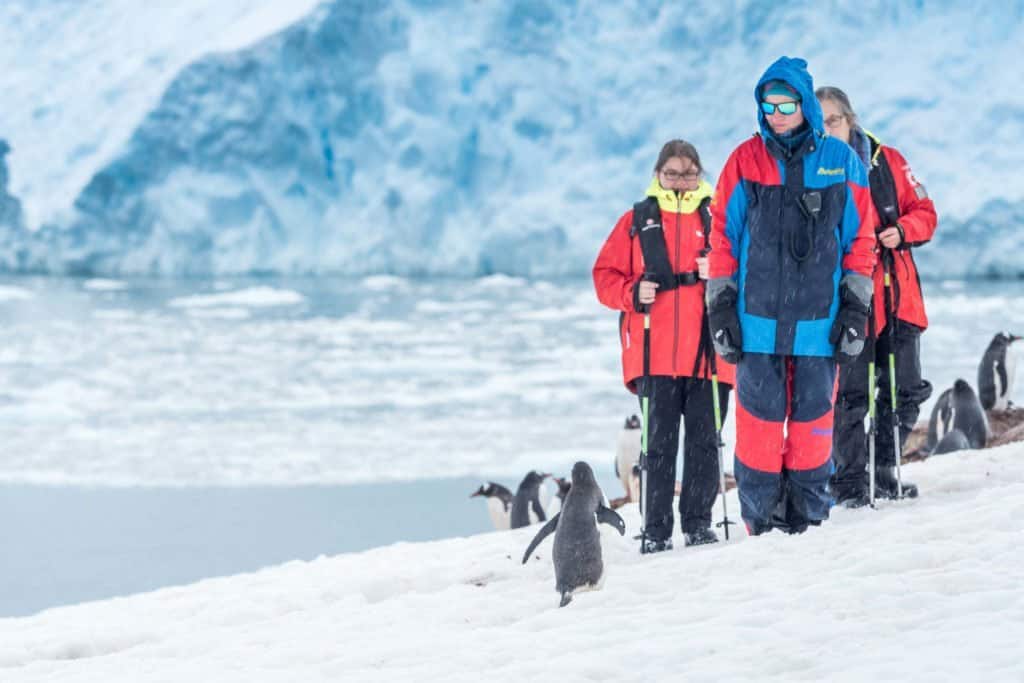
(253, 296)
(924, 589)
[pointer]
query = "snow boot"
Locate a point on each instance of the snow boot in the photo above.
(651, 545)
(699, 537)
(854, 500)
(885, 484)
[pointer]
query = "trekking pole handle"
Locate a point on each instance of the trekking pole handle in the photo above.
(646, 277)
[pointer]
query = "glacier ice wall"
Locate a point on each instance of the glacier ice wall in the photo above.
(78, 77)
(434, 137)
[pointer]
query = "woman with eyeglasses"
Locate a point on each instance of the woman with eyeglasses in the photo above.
(792, 252)
(654, 262)
(906, 220)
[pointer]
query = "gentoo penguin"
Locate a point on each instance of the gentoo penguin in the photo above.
(563, 488)
(996, 371)
(499, 503)
(627, 454)
(558, 501)
(526, 505)
(577, 548)
(941, 422)
(952, 441)
(968, 416)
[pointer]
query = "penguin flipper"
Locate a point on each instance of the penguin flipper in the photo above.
(566, 599)
(544, 532)
(611, 518)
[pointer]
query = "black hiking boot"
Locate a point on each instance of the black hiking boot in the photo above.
(651, 545)
(853, 500)
(885, 485)
(700, 537)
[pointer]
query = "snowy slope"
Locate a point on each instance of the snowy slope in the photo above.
(78, 77)
(370, 137)
(921, 590)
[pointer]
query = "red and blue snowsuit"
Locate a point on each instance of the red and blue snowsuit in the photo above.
(788, 222)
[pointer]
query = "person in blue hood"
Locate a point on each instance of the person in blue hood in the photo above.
(793, 248)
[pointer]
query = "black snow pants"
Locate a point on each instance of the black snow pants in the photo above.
(849, 444)
(692, 398)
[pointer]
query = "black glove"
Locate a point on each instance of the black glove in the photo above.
(721, 296)
(849, 330)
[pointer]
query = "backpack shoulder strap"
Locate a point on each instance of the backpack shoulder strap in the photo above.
(705, 218)
(643, 210)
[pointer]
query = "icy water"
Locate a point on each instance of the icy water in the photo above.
(158, 432)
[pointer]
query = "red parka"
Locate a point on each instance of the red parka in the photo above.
(917, 221)
(676, 315)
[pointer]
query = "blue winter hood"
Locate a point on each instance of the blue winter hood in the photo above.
(793, 71)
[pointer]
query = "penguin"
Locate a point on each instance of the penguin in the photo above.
(633, 492)
(558, 500)
(968, 416)
(941, 422)
(499, 503)
(954, 440)
(996, 372)
(577, 547)
(563, 488)
(526, 504)
(627, 455)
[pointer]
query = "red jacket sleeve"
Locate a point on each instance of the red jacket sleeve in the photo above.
(728, 215)
(917, 211)
(860, 255)
(613, 270)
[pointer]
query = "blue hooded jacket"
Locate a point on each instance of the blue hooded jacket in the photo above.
(792, 214)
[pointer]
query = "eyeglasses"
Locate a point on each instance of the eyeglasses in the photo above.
(834, 120)
(786, 108)
(675, 175)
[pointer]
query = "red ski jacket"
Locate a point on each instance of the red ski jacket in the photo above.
(917, 221)
(676, 315)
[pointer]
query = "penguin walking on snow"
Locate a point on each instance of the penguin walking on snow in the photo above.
(577, 548)
(996, 372)
(499, 503)
(627, 457)
(527, 508)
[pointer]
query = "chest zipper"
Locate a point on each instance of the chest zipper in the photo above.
(675, 324)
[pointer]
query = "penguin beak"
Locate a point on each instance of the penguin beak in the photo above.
(475, 494)
(1015, 337)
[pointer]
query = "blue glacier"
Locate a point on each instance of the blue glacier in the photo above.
(445, 138)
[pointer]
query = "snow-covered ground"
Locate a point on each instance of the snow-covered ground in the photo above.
(927, 589)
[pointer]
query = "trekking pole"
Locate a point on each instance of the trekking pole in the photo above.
(712, 361)
(890, 321)
(645, 406)
(872, 425)
(718, 431)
